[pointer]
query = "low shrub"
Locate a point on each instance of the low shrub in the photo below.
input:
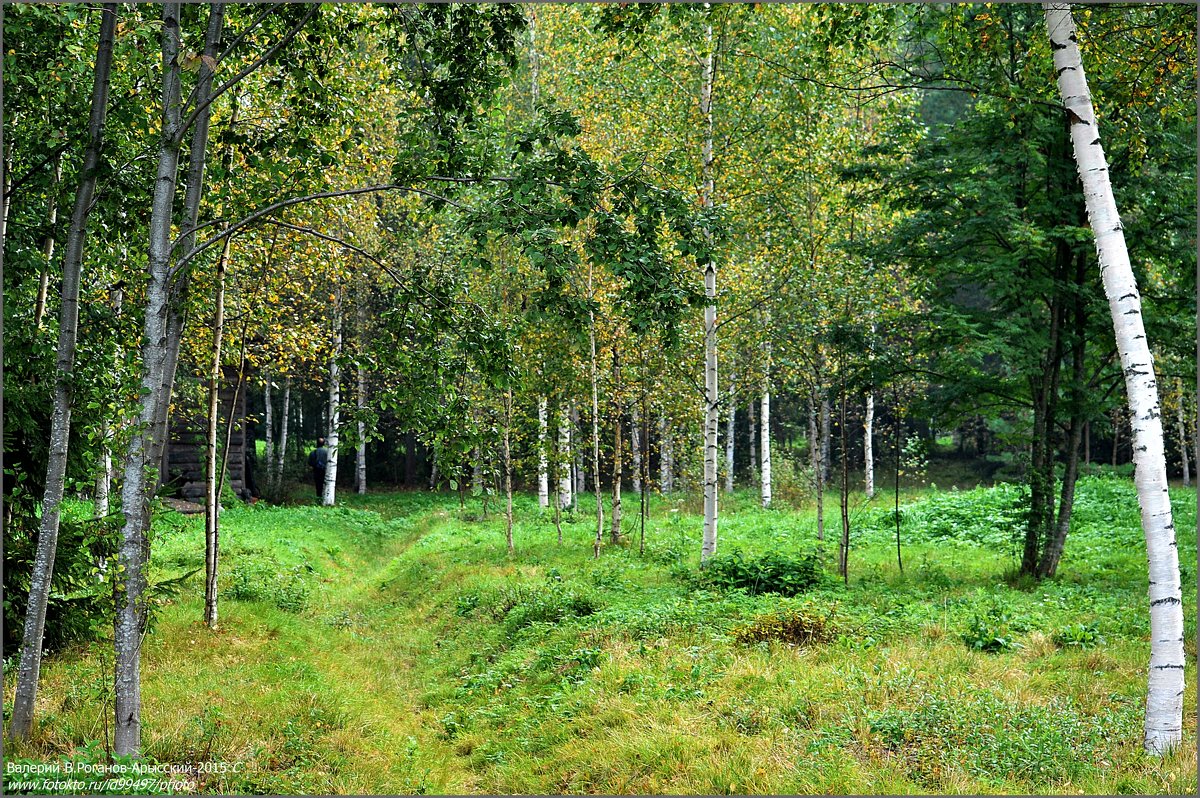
(770, 573)
(522, 605)
(991, 629)
(789, 625)
(1078, 635)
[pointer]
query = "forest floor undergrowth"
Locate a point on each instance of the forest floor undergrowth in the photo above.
(391, 645)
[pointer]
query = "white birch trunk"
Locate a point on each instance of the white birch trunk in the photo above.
(39, 310)
(360, 460)
(580, 474)
(269, 428)
(869, 447)
(1164, 700)
(730, 420)
(104, 479)
(595, 431)
(764, 436)
(712, 396)
(360, 396)
(564, 457)
(618, 451)
(283, 431)
(212, 499)
(328, 495)
(29, 669)
(543, 463)
(814, 460)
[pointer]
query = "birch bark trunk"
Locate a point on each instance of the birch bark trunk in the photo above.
(635, 443)
(29, 669)
(280, 457)
(814, 460)
(869, 447)
(764, 438)
(730, 420)
(212, 499)
(614, 532)
(360, 399)
(269, 428)
(666, 462)
(543, 465)
(595, 430)
(104, 479)
(563, 459)
(712, 397)
(1164, 702)
(329, 494)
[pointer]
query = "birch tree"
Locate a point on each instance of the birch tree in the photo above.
(29, 669)
(1164, 700)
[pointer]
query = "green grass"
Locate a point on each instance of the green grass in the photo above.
(391, 645)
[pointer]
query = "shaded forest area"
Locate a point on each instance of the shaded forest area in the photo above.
(786, 318)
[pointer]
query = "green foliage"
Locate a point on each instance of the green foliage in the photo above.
(523, 605)
(796, 627)
(992, 629)
(772, 572)
(1078, 635)
(80, 604)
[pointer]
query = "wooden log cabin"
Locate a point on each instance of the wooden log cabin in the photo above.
(183, 457)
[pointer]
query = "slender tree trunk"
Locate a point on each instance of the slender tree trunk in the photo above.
(29, 669)
(844, 493)
(712, 395)
(1048, 565)
(644, 468)
(899, 436)
(595, 432)
(147, 443)
(869, 447)
(580, 474)
(329, 493)
(212, 499)
(563, 460)
(543, 466)
(177, 291)
(730, 420)
(635, 445)
(826, 439)
(213, 543)
(1183, 436)
(508, 504)
(666, 463)
(269, 428)
(814, 459)
(614, 534)
(39, 310)
(1116, 445)
(104, 479)
(360, 395)
(283, 432)
(764, 437)
(1164, 705)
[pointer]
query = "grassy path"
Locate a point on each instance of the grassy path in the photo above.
(393, 647)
